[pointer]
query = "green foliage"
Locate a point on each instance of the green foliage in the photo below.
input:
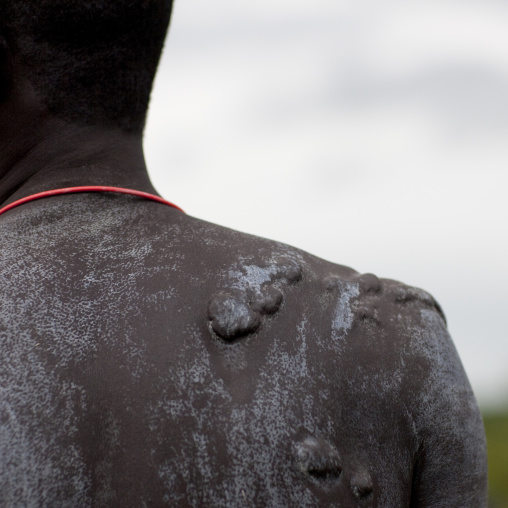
(496, 427)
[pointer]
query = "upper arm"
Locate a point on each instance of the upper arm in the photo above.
(450, 466)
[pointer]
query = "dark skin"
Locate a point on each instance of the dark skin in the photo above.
(152, 359)
(37, 149)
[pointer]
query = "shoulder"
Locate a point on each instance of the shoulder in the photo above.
(383, 344)
(451, 461)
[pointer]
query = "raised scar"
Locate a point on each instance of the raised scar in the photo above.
(365, 313)
(267, 301)
(231, 317)
(290, 270)
(369, 283)
(361, 484)
(318, 458)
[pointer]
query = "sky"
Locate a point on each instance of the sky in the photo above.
(369, 133)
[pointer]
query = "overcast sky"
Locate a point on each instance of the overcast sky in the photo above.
(370, 133)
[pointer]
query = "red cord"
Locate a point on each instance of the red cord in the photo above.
(89, 188)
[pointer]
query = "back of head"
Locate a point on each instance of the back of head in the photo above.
(90, 61)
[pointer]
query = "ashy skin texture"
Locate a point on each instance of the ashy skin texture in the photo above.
(151, 359)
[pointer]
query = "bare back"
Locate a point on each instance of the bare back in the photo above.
(152, 359)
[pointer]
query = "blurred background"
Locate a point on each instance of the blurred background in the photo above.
(372, 134)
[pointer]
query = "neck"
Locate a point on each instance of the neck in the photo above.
(59, 154)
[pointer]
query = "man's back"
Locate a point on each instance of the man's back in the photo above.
(151, 359)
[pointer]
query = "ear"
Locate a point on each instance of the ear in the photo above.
(5, 70)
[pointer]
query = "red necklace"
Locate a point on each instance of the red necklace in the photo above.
(90, 188)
